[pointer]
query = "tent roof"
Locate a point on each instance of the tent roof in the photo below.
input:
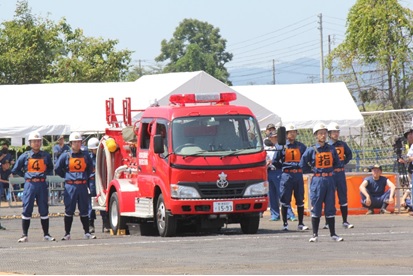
(59, 108)
(306, 104)
(55, 109)
(161, 86)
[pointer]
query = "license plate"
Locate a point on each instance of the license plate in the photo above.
(223, 206)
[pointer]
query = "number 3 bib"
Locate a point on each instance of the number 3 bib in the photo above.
(77, 164)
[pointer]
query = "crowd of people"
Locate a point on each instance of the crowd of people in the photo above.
(324, 165)
(74, 163)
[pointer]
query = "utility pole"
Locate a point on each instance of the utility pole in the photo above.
(311, 78)
(320, 22)
(140, 68)
(273, 71)
(330, 75)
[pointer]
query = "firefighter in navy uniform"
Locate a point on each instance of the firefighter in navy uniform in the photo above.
(322, 158)
(34, 165)
(93, 145)
(273, 177)
(339, 175)
(292, 180)
(75, 166)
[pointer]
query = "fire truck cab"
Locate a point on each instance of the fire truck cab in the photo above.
(198, 162)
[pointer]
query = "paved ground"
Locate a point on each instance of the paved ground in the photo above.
(379, 244)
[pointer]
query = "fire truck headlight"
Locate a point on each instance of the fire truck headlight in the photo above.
(258, 189)
(178, 191)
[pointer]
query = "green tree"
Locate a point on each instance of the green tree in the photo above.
(138, 71)
(196, 46)
(28, 45)
(377, 46)
(37, 50)
(88, 59)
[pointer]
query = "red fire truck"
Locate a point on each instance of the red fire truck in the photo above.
(197, 162)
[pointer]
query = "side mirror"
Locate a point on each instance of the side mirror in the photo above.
(158, 144)
(281, 135)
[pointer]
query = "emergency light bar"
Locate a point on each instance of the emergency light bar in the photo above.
(183, 99)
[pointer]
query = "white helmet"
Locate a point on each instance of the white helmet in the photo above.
(93, 143)
(290, 127)
(75, 136)
(34, 136)
(333, 126)
(319, 126)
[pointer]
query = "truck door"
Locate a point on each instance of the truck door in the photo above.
(145, 169)
(160, 165)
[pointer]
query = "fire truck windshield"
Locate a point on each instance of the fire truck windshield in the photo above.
(216, 135)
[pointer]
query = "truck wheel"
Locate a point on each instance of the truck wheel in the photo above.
(165, 222)
(116, 221)
(250, 223)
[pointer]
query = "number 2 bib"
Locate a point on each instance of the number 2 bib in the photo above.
(340, 152)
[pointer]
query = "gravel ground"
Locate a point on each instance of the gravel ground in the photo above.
(379, 244)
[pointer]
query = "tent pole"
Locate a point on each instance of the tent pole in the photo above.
(53, 153)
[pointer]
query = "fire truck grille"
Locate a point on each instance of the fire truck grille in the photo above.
(210, 190)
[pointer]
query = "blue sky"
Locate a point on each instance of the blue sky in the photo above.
(257, 32)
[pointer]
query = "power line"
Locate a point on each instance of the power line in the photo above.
(298, 22)
(278, 41)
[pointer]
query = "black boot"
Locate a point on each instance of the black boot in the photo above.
(91, 226)
(105, 222)
(25, 226)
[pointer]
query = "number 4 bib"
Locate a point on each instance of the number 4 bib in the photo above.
(36, 165)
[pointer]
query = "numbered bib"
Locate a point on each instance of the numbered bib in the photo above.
(292, 155)
(324, 160)
(36, 165)
(77, 164)
(340, 152)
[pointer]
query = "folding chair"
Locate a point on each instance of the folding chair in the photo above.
(56, 188)
(16, 188)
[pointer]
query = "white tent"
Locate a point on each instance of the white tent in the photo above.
(306, 104)
(163, 85)
(55, 109)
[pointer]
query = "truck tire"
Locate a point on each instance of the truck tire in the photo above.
(165, 222)
(116, 221)
(250, 223)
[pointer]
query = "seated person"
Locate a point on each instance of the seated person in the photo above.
(406, 201)
(373, 194)
(252, 139)
(5, 172)
(5, 153)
